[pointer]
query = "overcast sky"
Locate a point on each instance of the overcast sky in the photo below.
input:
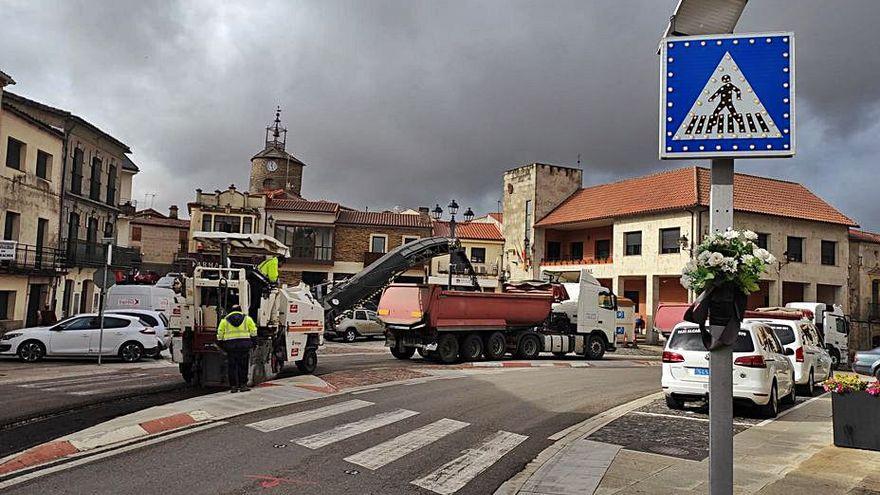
(408, 103)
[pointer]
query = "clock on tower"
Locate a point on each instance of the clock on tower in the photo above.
(275, 169)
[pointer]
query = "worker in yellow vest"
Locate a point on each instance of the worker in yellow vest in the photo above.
(235, 335)
(269, 268)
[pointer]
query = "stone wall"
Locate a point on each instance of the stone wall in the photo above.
(352, 241)
(288, 176)
(158, 245)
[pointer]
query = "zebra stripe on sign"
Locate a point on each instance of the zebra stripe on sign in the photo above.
(349, 430)
(280, 422)
(458, 472)
(390, 451)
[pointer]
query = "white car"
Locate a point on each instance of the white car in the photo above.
(809, 358)
(761, 371)
(360, 322)
(124, 336)
(150, 318)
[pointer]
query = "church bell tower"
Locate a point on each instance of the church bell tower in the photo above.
(274, 168)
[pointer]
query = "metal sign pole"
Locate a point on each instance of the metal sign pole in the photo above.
(721, 360)
(104, 285)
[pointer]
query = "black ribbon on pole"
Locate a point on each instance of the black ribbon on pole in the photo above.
(724, 306)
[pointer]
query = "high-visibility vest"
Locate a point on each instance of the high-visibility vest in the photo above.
(269, 268)
(227, 331)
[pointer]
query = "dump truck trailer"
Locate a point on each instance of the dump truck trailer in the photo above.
(451, 325)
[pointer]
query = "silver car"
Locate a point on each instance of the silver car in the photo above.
(359, 323)
(867, 362)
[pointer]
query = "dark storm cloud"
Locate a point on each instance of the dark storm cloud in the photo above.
(412, 103)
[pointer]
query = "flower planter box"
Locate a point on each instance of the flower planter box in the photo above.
(856, 420)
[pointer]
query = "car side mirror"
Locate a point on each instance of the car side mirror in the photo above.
(789, 351)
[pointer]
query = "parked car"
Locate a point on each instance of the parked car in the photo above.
(811, 361)
(140, 297)
(156, 319)
(358, 323)
(867, 362)
(124, 336)
(761, 371)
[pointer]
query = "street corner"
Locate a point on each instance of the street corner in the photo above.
(351, 379)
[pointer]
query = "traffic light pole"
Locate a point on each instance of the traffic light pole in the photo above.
(721, 359)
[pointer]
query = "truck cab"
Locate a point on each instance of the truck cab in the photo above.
(596, 312)
(833, 326)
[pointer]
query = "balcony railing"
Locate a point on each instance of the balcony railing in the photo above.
(33, 259)
(316, 255)
(128, 207)
(576, 261)
(481, 269)
(90, 254)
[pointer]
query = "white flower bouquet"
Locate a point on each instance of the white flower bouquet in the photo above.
(731, 259)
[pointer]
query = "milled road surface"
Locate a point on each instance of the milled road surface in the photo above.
(483, 429)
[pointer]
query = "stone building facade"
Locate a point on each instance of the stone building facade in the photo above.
(636, 235)
(160, 238)
(30, 203)
(95, 170)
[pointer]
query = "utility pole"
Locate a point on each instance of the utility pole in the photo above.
(721, 359)
(108, 245)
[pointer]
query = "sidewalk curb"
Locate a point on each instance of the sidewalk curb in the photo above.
(565, 438)
(64, 449)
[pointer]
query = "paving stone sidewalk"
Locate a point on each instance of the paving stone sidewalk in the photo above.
(792, 454)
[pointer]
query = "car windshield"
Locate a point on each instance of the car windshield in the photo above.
(784, 333)
(688, 339)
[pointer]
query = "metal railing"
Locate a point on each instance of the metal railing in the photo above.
(577, 261)
(480, 269)
(319, 255)
(83, 253)
(33, 259)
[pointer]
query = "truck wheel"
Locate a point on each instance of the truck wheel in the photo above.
(472, 348)
(835, 358)
(495, 346)
(595, 347)
(529, 347)
(309, 362)
(401, 352)
(447, 348)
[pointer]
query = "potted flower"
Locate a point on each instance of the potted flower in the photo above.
(725, 269)
(855, 407)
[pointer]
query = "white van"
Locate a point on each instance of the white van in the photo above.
(140, 297)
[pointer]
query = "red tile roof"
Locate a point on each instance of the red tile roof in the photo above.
(470, 230)
(499, 217)
(689, 187)
(864, 236)
(302, 205)
(385, 219)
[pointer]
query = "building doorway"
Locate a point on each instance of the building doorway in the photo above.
(85, 297)
(38, 294)
(67, 299)
(792, 292)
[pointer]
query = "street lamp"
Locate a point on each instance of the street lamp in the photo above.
(453, 209)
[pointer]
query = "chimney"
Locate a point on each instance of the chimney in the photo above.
(425, 213)
(172, 212)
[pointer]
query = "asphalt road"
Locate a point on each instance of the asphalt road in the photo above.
(484, 428)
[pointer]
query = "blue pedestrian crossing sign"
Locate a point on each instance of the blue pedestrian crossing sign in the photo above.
(727, 96)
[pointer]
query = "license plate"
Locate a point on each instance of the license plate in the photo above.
(701, 371)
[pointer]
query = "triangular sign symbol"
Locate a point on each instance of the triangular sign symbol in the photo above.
(727, 108)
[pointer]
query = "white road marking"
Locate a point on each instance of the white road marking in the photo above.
(359, 392)
(692, 418)
(301, 417)
(455, 474)
(390, 451)
(75, 382)
(349, 430)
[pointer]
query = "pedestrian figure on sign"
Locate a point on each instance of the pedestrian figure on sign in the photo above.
(725, 92)
(236, 335)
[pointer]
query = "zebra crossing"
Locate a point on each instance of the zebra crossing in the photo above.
(446, 479)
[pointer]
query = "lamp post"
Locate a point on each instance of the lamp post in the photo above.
(453, 209)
